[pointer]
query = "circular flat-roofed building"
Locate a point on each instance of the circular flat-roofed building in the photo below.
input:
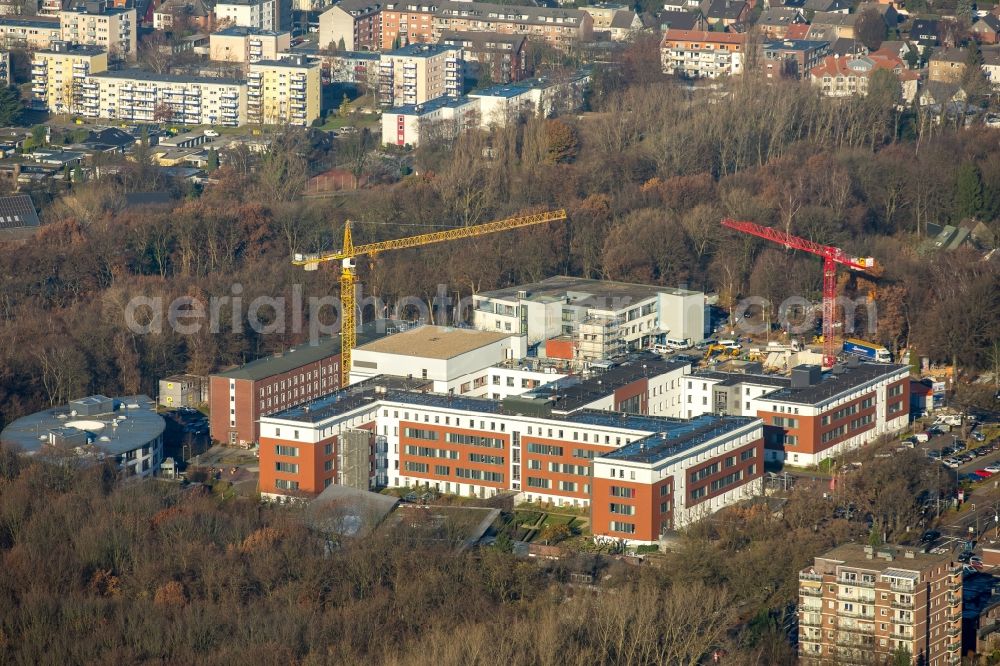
(126, 429)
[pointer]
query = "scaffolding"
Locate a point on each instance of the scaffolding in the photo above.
(599, 337)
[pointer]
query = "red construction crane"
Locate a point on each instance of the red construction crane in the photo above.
(831, 257)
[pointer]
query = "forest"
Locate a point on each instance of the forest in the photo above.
(645, 173)
(93, 570)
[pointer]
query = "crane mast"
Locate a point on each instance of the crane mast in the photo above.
(348, 275)
(832, 257)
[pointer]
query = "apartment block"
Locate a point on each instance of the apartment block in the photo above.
(284, 92)
(59, 75)
(351, 25)
(441, 118)
(354, 67)
(490, 54)
(545, 96)
(641, 475)
(702, 54)
(146, 96)
(822, 414)
(245, 45)
(792, 58)
(95, 23)
(863, 605)
(405, 23)
(597, 318)
(241, 396)
(418, 73)
(260, 14)
(31, 33)
(558, 27)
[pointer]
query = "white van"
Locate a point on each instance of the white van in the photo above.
(660, 348)
(678, 344)
(730, 344)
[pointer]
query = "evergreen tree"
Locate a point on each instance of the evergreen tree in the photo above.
(213, 159)
(969, 191)
(345, 107)
(912, 58)
(10, 106)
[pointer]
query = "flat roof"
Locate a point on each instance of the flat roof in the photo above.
(834, 383)
(429, 106)
(421, 50)
(145, 75)
(72, 49)
(734, 378)
(676, 436)
(298, 61)
(305, 353)
(438, 342)
(354, 396)
(795, 44)
(133, 424)
(33, 22)
(583, 289)
(246, 31)
(573, 391)
(854, 555)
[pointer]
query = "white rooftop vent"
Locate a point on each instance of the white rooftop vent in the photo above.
(132, 405)
(104, 438)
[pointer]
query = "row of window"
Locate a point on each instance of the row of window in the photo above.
(485, 459)
(478, 475)
(427, 452)
(474, 440)
(704, 472)
(783, 422)
(545, 449)
(622, 509)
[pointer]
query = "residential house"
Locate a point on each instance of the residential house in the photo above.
(792, 58)
(991, 65)
(942, 93)
(835, 24)
(681, 5)
(624, 25)
(847, 76)
(987, 29)
(501, 57)
(603, 13)
(725, 13)
(193, 12)
(351, 25)
(698, 53)
(888, 13)
(774, 22)
(843, 46)
(947, 65)
(924, 33)
(693, 20)
(799, 31)
(828, 6)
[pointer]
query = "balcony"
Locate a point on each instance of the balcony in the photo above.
(811, 591)
(905, 589)
(954, 631)
(901, 637)
(856, 583)
(907, 605)
(806, 622)
(954, 647)
(857, 614)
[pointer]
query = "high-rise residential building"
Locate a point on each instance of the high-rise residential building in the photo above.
(59, 75)
(407, 22)
(94, 23)
(262, 14)
(490, 55)
(702, 54)
(284, 92)
(351, 25)
(866, 605)
(147, 96)
(243, 45)
(419, 73)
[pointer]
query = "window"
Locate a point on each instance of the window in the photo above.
(420, 468)
(485, 459)
(442, 470)
(749, 453)
(545, 449)
(474, 440)
(417, 433)
(624, 528)
(535, 482)
(620, 491)
(567, 486)
(289, 451)
(285, 484)
(328, 466)
(622, 509)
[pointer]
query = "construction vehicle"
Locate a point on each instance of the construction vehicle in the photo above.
(349, 252)
(722, 350)
(832, 257)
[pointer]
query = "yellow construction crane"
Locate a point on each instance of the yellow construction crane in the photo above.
(347, 254)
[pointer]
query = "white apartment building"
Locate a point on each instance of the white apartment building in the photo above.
(441, 118)
(262, 14)
(146, 96)
(599, 318)
(546, 96)
(419, 73)
(58, 75)
(285, 91)
(246, 45)
(96, 24)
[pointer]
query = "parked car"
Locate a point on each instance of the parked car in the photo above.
(995, 468)
(930, 535)
(983, 473)
(211, 133)
(978, 436)
(952, 462)
(933, 453)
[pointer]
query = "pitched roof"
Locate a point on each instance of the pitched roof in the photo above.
(846, 45)
(989, 21)
(723, 9)
(687, 21)
(704, 36)
(832, 18)
(949, 55)
(18, 212)
(797, 31)
(864, 65)
(778, 16)
(623, 19)
(827, 5)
